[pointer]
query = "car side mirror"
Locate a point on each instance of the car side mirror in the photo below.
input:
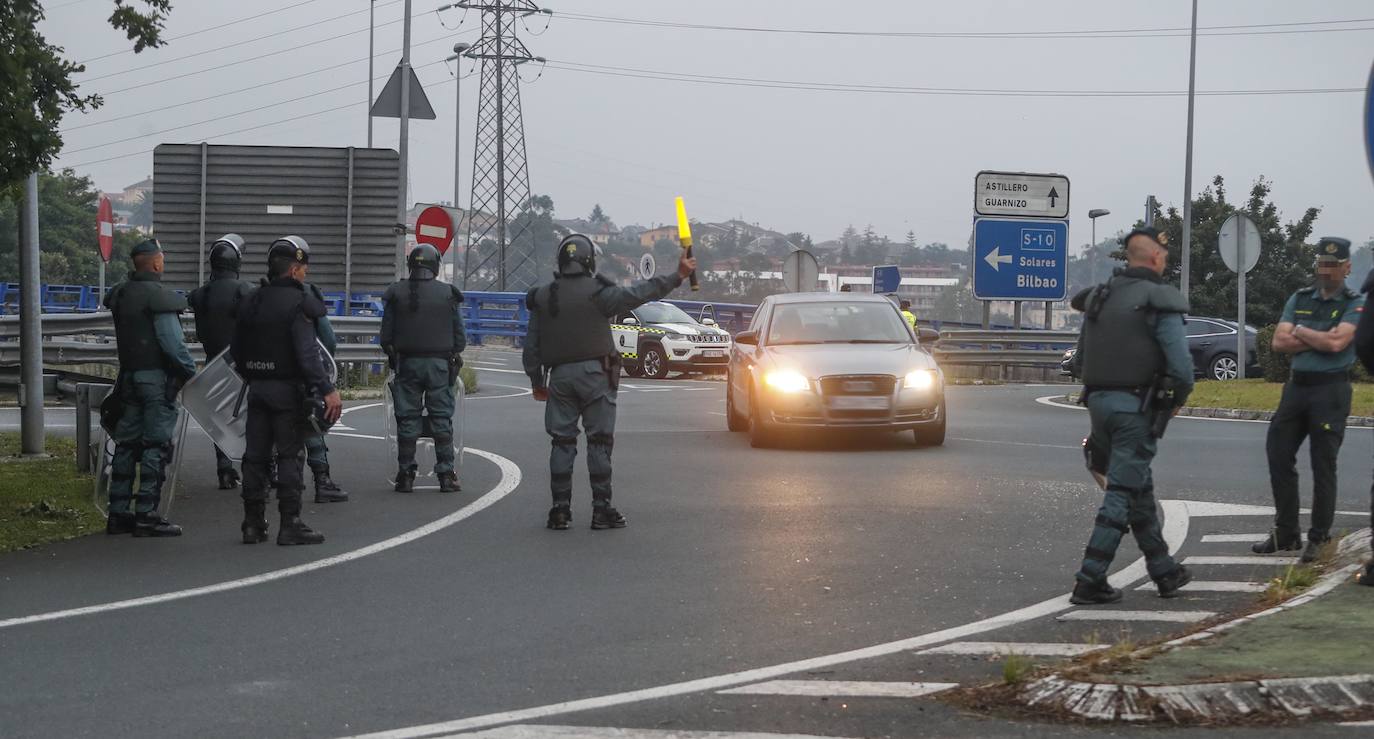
(708, 321)
(631, 321)
(928, 336)
(747, 338)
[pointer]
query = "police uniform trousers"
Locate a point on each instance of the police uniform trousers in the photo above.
(580, 390)
(422, 384)
(1129, 502)
(316, 453)
(1314, 407)
(143, 438)
(275, 420)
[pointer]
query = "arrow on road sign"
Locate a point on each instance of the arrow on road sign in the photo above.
(995, 259)
(1054, 195)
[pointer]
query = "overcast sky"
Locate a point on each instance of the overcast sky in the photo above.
(807, 160)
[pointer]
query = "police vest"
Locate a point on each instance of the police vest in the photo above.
(214, 304)
(422, 314)
(1119, 346)
(571, 326)
(263, 345)
(134, 304)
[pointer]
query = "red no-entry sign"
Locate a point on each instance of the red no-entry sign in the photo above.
(104, 228)
(434, 227)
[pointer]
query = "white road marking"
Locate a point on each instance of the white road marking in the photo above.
(1250, 560)
(1026, 649)
(840, 689)
(539, 731)
(1175, 532)
(1019, 443)
(1233, 538)
(1216, 586)
(1207, 509)
(1356, 723)
(1181, 617)
(510, 480)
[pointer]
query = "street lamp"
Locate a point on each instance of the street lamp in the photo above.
(1094, 214)
(371, 54)
(458, 50)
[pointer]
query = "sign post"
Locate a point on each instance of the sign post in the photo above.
(434, 226)
(104, 233)
(1020, 239)
(800, 272)
(887, 279)
(1021, 195)
(1369, 121)
(1239, 245)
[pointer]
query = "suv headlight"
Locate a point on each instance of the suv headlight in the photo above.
(787, 381)
(675, 337)
(921, 379)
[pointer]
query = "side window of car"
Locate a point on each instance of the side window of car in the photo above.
(1195, 327)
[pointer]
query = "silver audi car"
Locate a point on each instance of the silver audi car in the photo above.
(833, 361)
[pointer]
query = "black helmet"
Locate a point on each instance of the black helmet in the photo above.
(424, 256)
(226, 252)
(292, 248)
(577, 249)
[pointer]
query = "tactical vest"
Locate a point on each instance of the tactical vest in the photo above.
(263, 345)
(214, 304)
(1119, 346)
(571, 327)
(423, 320)
(134, 304)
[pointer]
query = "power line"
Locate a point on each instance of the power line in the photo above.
(1168, 32)
(206, 30)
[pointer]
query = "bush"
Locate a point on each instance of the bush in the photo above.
(1276, 366)
(469, 376)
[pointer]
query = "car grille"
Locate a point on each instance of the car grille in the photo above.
(858, 385)
(711, 339)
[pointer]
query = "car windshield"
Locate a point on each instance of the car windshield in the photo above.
(837, 323)
(662, 313)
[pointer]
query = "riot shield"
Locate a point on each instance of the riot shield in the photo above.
(425, 459)
(217, 399)
(171, 468)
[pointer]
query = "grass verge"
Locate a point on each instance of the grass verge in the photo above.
(1258, 395)
(43, 500)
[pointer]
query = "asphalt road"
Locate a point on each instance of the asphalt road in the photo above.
(739, 566)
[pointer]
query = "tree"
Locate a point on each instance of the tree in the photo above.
(534, 234)
(598, 215)
(911, 239)
(143, 212)
(36, 89)
(1361, 262)
(68, 248)
(850, 237)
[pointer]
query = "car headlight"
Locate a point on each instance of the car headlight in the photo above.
(786, 381)
(922, 379)
(675, 337)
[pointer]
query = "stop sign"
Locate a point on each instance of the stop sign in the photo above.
(104, 228)
(434, 227)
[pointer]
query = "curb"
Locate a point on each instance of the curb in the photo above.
(1237, 414)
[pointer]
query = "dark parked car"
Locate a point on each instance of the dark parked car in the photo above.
(1212, 342)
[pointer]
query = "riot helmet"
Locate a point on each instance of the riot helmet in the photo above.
(577, 249)
(424, 257)
(226, 253)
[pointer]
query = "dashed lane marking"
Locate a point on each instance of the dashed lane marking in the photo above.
(1025, 649)
(841, 689)
(1233, 538)
(1018, 443)
(1181, 617)
(510, 480)
(1216, 586)
(1253, 560)
(538, 731)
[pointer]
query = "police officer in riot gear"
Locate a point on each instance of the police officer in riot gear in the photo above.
(214, 304)
(422, 335)
(276, 350)
(316, 450)
(574, 367)
(1318, 329)
(153, 365)
(1137, 373)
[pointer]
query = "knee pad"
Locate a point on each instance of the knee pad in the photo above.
(566, 441)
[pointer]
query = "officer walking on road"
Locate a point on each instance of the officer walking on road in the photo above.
(275, 348)
(153, 365)
(316, 450)
(422, 335)
(1137, 372)
(214, 304)
(573, 365)
(1318, 329)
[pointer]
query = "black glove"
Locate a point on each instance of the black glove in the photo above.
(457, 361)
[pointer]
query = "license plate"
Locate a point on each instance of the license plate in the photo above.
(859, 403)
(714, 353)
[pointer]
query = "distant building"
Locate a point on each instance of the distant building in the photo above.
(133, 194)
(655, 235)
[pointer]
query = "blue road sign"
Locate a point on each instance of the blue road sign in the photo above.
(1020, 259)
(886, 280)
(1369, 121)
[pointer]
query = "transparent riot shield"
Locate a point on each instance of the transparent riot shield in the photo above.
(425, 459)
(217, 399)
(171, 468)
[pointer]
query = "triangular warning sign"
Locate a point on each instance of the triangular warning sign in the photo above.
(388, 103)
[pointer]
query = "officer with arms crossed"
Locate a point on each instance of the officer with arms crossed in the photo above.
(1137, 373)
(316, 450)
(275, 349)
(1317, 327)
(573, 364)
(214, 304)
(422, 335)
(153, 365)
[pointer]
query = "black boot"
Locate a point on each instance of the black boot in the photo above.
(1094, 595)
(1170, 584)
(228, 479)
(119, 523)
(293, 530)
(448, 482)
(1313, 552)
(1278, 543)
(405, 481)
(325, 489)
(1366, 576)
(560, 517)
(607, 517)
(254, 521)
(152, 525)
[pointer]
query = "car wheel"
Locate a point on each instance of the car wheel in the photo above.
(760, 435)
(733, 420)
(1223, 367)
(655, 363)
(932, 434)
(633, 370)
